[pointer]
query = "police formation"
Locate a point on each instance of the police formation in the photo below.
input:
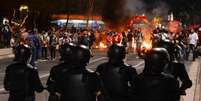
(112, 81)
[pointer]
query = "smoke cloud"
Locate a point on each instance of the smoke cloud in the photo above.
(134, 7)
(116, 13)
(113, 13)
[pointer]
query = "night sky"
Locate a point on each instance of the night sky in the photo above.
(112, 11)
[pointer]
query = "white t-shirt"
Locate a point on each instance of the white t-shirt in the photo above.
(193, 38)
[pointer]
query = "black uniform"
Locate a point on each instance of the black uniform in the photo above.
(177, 69)
(73, 81)
(157, 87)
(152, 84)
(65, 60)
(21, 79)
(117, 78)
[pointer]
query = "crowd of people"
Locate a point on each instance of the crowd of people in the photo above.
(112, 80)
(45, 44)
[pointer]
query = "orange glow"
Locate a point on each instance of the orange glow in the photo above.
(102, 45)
(173, 26)
(147, 45)
(77, 17)
(156, 21)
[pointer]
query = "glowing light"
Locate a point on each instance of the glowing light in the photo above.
(147, 45)
(102, 45)
(24, 7)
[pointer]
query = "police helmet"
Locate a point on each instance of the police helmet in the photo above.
(156, 59)
(116, 52)
(169, 46)
(82, 55)
(23, 53)
(66, 52)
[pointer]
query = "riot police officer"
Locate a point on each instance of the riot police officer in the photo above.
(152, 84)
(22, 79)
(175, 67)
(66, 53)
(74, 82)
(117, 78)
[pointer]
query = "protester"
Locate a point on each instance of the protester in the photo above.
(44, 45)
(52, 45)
(192, 43)
(138, 38)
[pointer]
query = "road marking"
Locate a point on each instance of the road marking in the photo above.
(142, 62)
(7, 56)
(98, 59)
(45, 75)
(92, 61)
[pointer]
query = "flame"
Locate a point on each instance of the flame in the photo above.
(147, 45)
(147, 42)
(102, 45)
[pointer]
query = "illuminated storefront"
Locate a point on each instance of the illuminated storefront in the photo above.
(79, 21)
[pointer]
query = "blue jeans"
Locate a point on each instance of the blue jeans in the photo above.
(190, 48)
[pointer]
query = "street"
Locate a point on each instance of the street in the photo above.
(99, 57)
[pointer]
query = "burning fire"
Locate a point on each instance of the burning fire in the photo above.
(102, 45)
(146, 45)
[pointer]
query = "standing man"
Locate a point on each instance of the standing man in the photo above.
(176, 68)
(130, 40)
(52, 45)
(44, 45)
(84, 39)
(153, 84)
(192, 43)
(32, 43)
(124, 40)
(117, 78)
(38, 43)
(139, 40)
(66, 51)
(74, 82)
(6, 34)
(22, 79)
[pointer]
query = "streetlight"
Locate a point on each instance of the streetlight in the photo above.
(24, 8)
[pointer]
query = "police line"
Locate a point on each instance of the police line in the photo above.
(2, 90)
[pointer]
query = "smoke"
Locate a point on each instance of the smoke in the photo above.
(116, 13)
(150, 9)
(113, 13)
(161, 10)
(134, 7)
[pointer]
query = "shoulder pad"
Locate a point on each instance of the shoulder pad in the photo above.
(167, 75)
(90, 71)
(128, 65)
(32, 67)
